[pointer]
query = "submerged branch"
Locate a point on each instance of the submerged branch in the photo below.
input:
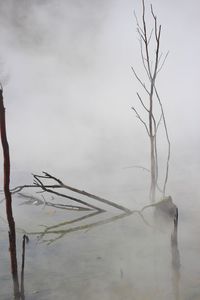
(72, 221)
(37, 201)
(63, 232)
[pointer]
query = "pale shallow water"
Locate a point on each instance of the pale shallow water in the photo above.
(123, 259)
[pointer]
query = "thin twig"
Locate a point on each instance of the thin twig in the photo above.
(138, 167)
(141, 120)
(138, 78)
(163, 62)
(168, 141)
(139, 97)
(159, 121)
(144, 59)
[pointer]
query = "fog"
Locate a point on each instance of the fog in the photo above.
(69, 88)
(68, 91)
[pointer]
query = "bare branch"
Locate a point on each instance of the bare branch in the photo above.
(156, 30)
(140, 34)
(39, 183)
(138, 78)
(50, 188)
(168, 141)
(144, 60)
(145, 37)
(163, 62)
(19, 188)
(138, 24)
(100, 199)
(152, 12)
(142, 102)
(143, 122)
(138, 167)
(159, 121)
(159, 59)
(155, 22)
(149, 39)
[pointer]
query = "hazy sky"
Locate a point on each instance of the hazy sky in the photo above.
(69, 88)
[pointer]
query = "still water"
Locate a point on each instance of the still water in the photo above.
(88, 255)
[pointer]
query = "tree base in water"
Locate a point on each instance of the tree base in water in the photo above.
(166, 208)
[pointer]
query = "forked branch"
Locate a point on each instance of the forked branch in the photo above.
(51, 188)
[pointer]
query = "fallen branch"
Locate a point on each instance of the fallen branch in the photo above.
(55, 229)
(59, 184)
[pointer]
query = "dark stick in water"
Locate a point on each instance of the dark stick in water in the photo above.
(25, 240)
(176, 265)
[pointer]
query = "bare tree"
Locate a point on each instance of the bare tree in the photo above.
(152, 62)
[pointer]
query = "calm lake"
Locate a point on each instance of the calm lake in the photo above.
(89, 255)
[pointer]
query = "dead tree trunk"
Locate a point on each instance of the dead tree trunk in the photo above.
(11, 222)
(152, 63)
(153, 171)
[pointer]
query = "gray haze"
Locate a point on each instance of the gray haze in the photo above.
(68, 91)
(69, 88)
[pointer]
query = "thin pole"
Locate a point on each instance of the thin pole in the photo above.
(11, 222)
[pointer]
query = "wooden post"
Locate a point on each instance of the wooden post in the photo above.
(11, 222)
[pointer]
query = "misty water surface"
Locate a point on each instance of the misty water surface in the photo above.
(68, 90)
(125, 259)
